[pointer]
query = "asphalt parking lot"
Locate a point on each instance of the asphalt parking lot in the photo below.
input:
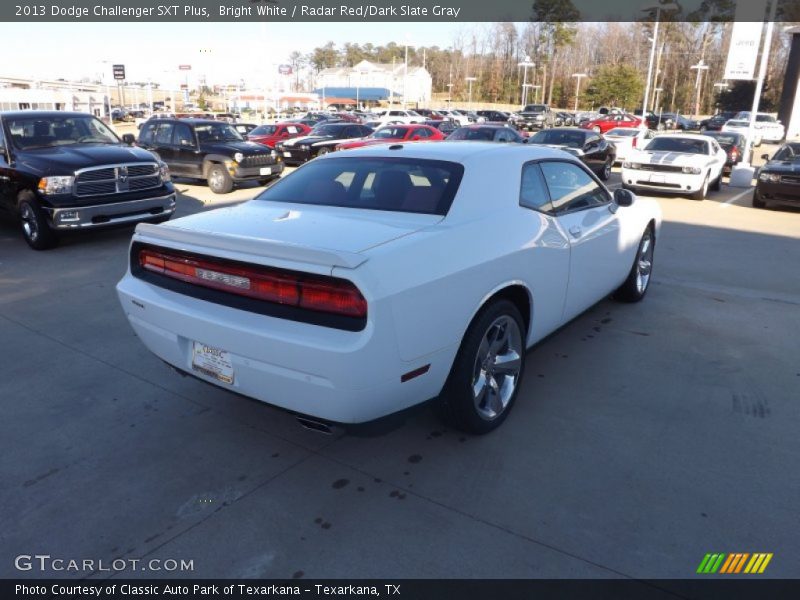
(644, 437)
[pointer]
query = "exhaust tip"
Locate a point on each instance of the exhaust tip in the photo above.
(313, 425)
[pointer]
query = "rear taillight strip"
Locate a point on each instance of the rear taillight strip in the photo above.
(311, 292)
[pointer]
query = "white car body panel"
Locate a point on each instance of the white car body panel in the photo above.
(711, 166)
(424, 278)
(733, 127)
(769, 131)
(624, 143)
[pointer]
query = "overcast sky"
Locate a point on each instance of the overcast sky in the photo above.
(237, 50)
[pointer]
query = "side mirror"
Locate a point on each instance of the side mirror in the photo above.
(129, 139)
(623, 197)
(765, 156)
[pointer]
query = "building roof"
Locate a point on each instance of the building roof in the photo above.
(363, 93)
(371, 67)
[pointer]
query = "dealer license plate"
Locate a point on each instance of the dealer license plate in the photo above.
(213, 362)
(287, 153)
(265, 171)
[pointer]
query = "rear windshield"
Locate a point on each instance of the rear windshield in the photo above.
(729, 139)
(572, 139)
(394, 184)
(671, 144)
(469, 133)
(623, 132)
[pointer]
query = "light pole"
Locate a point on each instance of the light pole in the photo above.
(657, 91)
(700, 66)
(658, 8)
(578, 77)
(525, 64)
(470, 80)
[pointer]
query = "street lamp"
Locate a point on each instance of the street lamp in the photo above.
(525, 64)
(700, 66)
(578, 77)
(658, 8)
(470, 80)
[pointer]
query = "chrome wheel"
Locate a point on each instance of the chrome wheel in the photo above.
(497, 367)
(607, 169)
(29, 224)
(644, 262)
(215, 179)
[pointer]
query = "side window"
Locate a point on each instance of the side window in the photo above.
(183, 135)
(533, 191)
(2, 137)
(164, 133)
(146, 135)
(421, 132)
(571, 188)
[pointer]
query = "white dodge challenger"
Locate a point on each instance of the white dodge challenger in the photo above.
(367, 282)
(681, 163)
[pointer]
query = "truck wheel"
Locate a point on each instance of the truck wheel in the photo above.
(219, 180)
(486, 374)
(34, 224)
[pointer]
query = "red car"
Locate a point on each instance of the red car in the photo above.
(396, 133)
(606, 122)
(269, 135)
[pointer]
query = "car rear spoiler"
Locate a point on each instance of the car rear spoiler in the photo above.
(154, 234)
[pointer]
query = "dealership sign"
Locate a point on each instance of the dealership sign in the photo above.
(119, 71)
(742, 55)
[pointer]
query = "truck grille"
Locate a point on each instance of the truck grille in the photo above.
(258, 160)
(790, 179)
(117, 179)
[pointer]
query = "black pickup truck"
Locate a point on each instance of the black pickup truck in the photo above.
(67, 171)
(210, 150)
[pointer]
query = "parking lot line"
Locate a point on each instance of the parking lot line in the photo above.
(730, 201)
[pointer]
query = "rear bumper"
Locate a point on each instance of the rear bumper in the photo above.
(102, 215)
(334, 375)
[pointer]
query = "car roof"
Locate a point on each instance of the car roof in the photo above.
(458, 151)
(43, 113)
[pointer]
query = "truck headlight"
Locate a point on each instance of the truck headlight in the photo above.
(56, 185)
(238, 157)
(692, 170)
(770, 177)
(163, 170)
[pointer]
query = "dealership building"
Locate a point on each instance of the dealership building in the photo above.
(380, 82)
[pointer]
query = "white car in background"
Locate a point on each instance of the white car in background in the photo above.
(739, 126)
(394, 115)
(369, 281)
(454, 116)
(769, 128)
(628, 139)
(681, 163)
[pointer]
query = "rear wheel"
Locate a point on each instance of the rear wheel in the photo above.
(638, 281)
(219, 180)
(35, 227)
(605, 171)
(486, 373)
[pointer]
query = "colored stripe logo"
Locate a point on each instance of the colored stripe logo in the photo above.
(737, 562)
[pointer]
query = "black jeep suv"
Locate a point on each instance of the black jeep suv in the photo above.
(67, 171)
(210, 150)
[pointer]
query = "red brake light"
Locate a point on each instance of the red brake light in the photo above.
(312, 292)
(635, 141)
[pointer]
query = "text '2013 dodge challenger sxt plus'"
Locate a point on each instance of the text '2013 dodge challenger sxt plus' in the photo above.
(369, 281)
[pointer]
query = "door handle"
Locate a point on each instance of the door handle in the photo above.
(575, 231)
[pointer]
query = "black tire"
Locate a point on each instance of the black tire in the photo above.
(219, 180)
(33, 222)
(702, 192)
(758, 202)
(717, 184)
(457, 404)
(636, 285)
(703, 128)
(630, 188)
(605, 172)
